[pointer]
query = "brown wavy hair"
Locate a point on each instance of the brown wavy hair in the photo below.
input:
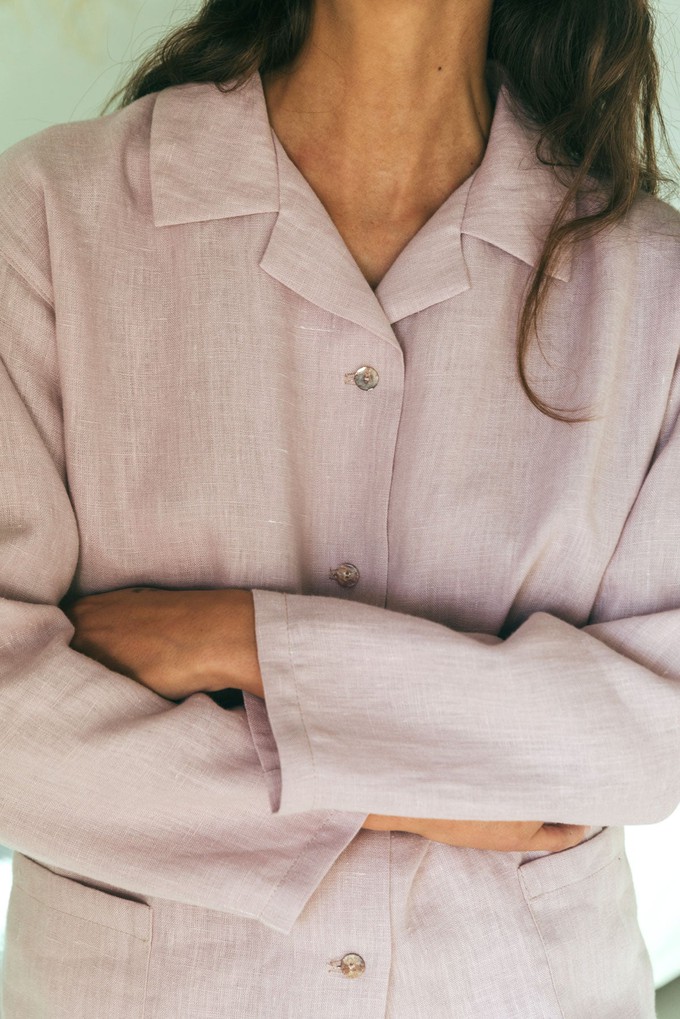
(585, 73)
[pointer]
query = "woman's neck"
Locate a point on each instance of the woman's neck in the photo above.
(393, 83)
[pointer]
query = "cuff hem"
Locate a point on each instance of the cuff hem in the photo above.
(288, 899)
(283, 741)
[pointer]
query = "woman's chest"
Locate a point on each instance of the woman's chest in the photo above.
(226, 436)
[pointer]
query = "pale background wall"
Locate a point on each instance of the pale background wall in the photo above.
(61, 59)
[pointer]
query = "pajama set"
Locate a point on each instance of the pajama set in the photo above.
(464, 608)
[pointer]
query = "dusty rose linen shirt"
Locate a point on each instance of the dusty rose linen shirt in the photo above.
(181, 326)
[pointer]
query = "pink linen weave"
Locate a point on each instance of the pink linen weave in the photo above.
(180, 327)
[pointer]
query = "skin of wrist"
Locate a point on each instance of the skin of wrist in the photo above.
(233, 662)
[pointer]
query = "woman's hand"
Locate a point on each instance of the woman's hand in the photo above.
(188, 641)
(506, 836)
(174, 642)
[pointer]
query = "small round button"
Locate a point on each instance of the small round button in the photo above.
(366, 377)
(346, 575)
(352, 965)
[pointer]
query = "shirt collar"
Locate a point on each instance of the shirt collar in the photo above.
(214, 155)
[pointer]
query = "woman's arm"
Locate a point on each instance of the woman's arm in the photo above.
(157, 798)
(183, 642)
(375, 711)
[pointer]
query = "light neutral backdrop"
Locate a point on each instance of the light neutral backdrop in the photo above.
(61, 59)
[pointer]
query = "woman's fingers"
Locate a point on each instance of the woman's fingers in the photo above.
(503, 836)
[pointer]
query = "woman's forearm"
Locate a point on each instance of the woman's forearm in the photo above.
(174, 642)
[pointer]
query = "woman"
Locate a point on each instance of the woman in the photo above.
(273, 423)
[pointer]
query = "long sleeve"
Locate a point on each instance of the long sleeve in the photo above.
(99, 776)
(375, 710)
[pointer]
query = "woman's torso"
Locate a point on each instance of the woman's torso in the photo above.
(209, 330)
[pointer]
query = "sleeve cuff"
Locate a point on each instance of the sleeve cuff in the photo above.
(335, 830)
(277, 724)
(265, 745)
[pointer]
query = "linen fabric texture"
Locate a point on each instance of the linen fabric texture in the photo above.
(180, 324)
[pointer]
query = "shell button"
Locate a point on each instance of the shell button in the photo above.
(366, 377)
(346, 575)
(352, 965)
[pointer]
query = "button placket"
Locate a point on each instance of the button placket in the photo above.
(366, 378)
